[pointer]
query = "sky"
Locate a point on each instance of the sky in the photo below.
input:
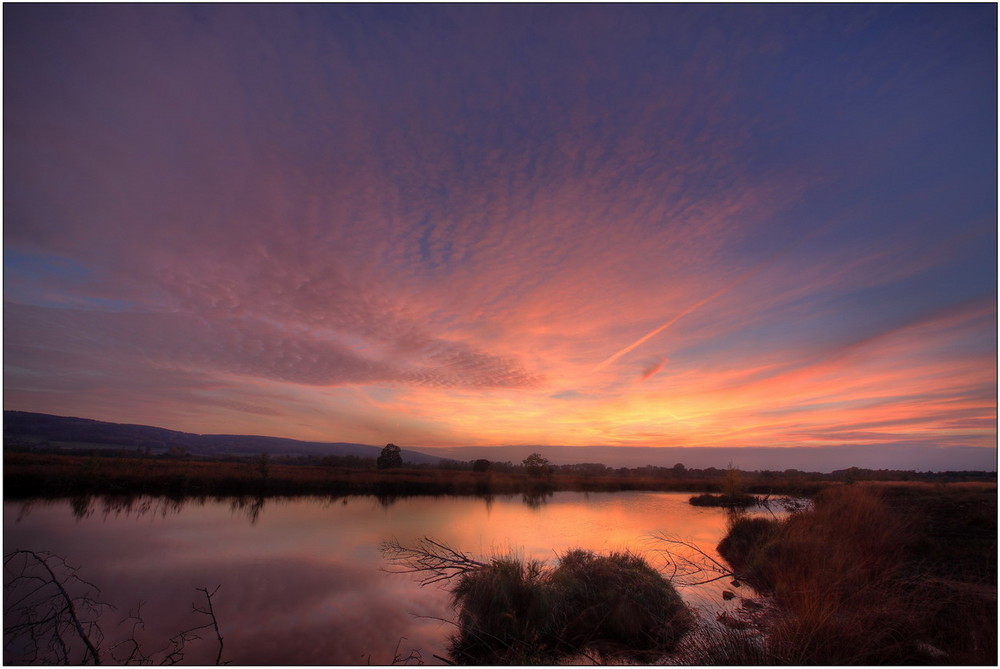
(480, 225)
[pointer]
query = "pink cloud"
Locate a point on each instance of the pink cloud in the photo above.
(368, 246)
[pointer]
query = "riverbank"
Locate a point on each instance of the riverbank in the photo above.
(872, 574)
(29, 475)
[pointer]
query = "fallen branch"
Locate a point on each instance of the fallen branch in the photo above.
(691, 565)
(435, 561)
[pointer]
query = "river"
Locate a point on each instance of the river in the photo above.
(303, 581)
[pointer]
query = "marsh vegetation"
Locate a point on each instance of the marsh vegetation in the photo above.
(902, 574)
(512, 610)
(38, 473)
(867, 573)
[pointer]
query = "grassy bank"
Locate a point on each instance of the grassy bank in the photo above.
(50, 475)
(875, 574)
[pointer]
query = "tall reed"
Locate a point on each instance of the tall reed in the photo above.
(849, 593)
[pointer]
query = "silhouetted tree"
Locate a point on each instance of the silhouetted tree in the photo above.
(480, 465)
(536, 465)
(390, 457)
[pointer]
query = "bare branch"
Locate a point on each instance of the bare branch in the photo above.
(47, 610)
(210, 612)
(51, 614)
(414, 657)
(433, 560)
(691, 565)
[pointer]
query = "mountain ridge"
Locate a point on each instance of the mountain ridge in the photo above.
(29, 428)
(23, 428)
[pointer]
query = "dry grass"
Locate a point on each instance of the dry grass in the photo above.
(850, 577)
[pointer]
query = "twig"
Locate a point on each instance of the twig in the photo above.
(437, 618)
(414, 655)
(48, 623)
(434, 560)
(210, 612)
(67, 606)
(690, 563)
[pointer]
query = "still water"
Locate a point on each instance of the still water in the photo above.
(303, 580)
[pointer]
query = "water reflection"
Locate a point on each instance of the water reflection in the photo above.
(85, 506)
(301, 579)
(82, 506)
(249, 507)
(535, 499)
(386, 500)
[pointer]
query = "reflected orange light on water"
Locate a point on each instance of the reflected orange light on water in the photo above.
(303, 580)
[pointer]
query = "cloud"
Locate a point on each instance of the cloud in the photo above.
(252, 348)
(281, 213)
(652, 368)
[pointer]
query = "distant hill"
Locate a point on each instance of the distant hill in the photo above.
(22, 428)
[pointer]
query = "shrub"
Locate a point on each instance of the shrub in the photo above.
(515, 612)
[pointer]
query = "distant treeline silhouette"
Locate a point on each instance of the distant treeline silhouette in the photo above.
(38, 472)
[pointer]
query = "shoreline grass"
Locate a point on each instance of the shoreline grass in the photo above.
(877, 574)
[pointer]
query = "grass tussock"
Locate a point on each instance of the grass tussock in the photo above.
(852, 585)
(616, 606)
(737, 500)
(617, 601)
(504, 614)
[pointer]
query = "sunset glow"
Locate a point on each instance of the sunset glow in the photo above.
(642, 225)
